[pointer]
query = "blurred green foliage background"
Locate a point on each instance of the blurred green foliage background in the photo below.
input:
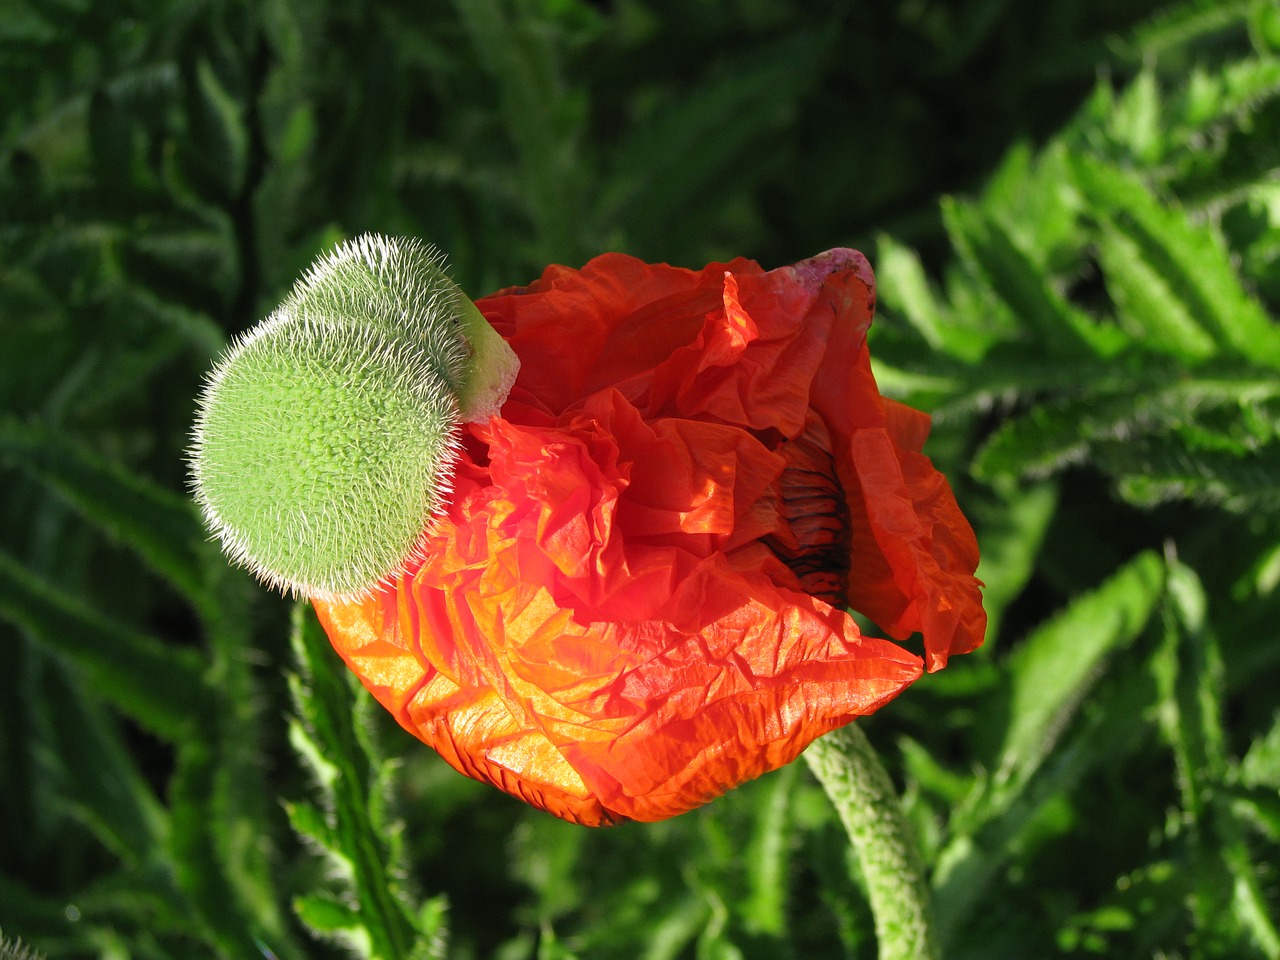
(1074, 212)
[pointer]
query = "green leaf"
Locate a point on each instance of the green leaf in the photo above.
(1229, 95)
(1261, 765)
(326, 915)
(1030, 194)
(1167, 468)
(930, 775)
(105, 788)
(1264, 24)
(1162, 436)
(1181, 25)
(543, 117)
(1191, 714)
(1054, 668)
(160, 526)
(1023, 285)
(1013, 530)
(1052, 675)
(351, 780)
(768, 856)
(669, 935)
(1045, 439)
(310, 823)
(1146, 305)
(217, 145)
(719, 132)
(1055, 434)
(1135, 119)
(1227, 881)
(1191, 259)
(198, 845)
(903, 286)
(995, 826)
(156, 684)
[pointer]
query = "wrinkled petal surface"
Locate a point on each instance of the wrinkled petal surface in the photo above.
(637, 598)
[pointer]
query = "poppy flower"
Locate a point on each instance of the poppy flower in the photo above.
(637, 595)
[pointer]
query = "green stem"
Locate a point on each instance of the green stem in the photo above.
(846, 765)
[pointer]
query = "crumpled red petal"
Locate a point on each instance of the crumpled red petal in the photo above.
(626, 610)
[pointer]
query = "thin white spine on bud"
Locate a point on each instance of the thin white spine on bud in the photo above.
(383, 309)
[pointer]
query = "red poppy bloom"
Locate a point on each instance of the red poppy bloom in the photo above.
(636, 599)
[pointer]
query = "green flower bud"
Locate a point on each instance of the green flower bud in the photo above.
(325, 437)
(395, 287)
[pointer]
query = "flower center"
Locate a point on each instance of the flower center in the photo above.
(813, 509)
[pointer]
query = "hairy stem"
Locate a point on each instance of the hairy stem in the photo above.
(846, 765)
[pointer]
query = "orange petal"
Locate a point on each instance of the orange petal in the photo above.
(914, 552)
(615, 620)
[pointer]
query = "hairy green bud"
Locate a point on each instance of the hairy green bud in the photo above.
(325, 437)
(397, 288)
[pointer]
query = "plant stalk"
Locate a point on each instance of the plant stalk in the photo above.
(859, 787)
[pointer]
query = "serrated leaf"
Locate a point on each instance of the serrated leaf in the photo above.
(1208, 438)
(1013, 531)
(326, 915)
(768, 856)
(1145, 303)
(717, 134)
(543, 117)
(1190, 671)
(1043, 440)
(310, 823)
(197, 850)
(217, 141)
(1261, 765)
(903, 286)
(160, 526)
(1024, 287)
(994, 820)
(1135, 119)
(1054, 668)
(156, 684)
(1052, 435)
(1228, 884)
(1032, 195)
(364, 836)
(1189, 257)
(325, 770)
(1181, 24)
(1164, 469)
(1239, 89)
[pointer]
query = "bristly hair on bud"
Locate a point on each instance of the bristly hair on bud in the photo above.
(16, 950)
(325, 437)
(398, 287)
